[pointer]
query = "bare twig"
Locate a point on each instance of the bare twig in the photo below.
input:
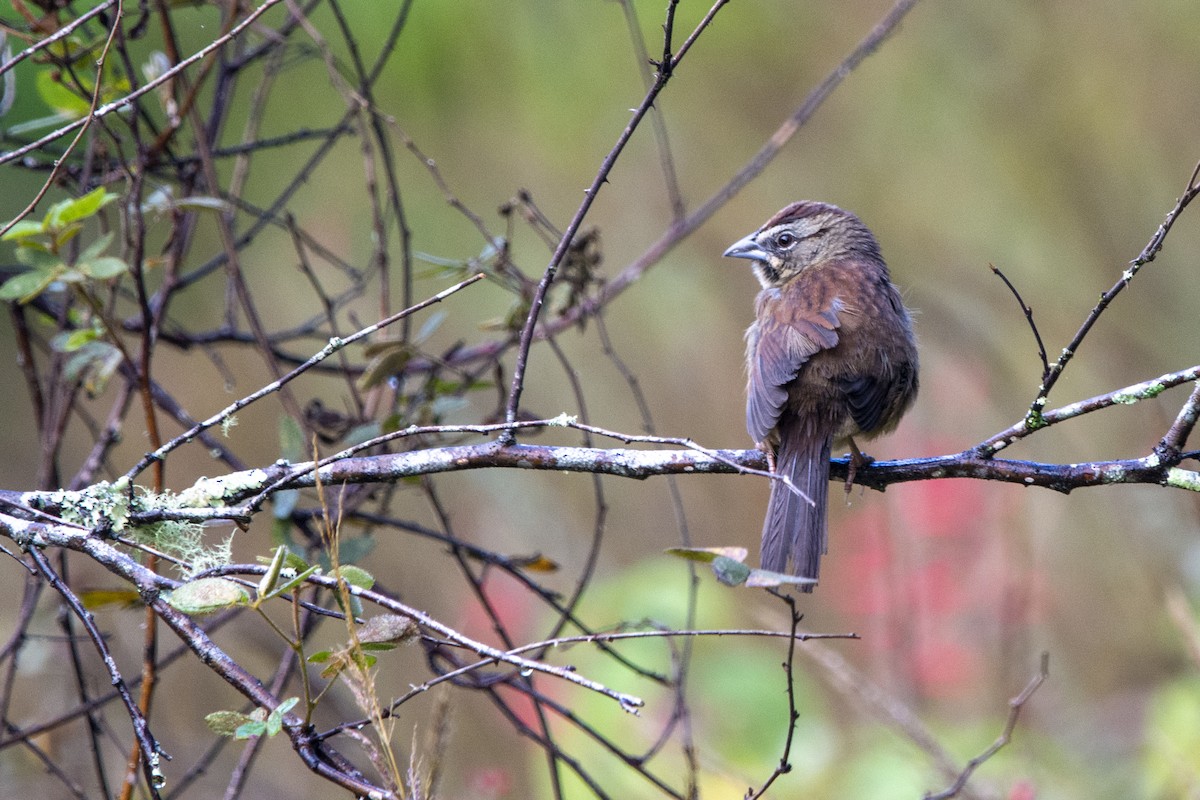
(1014, 712)
(666, 69)
(149, 86)
(1033, 418)
(1028, 312)
(785, 766)
(334, 346)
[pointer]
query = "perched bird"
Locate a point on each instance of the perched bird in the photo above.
(831, 355)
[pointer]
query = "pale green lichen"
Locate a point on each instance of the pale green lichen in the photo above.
(1183, 479)
(1143, 391)
(103, 505)
(209, 492)
(108, 506)
(1034, 420)
(186, 542)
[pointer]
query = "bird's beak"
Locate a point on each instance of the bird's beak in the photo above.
(746, 248)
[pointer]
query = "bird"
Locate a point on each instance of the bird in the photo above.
(831, 356)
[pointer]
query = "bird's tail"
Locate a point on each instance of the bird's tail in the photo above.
(795, 527)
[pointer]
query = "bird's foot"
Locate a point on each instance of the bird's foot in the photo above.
(857, 459)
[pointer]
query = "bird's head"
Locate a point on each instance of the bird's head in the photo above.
(803, 236)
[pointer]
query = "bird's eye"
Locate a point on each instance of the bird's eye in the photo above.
(785, 240)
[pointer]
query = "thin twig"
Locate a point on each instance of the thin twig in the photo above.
(665, 70)
(335, 344)
(1014, 712)
(1033, 418)
(1028, 312)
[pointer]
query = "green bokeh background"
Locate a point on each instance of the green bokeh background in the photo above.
(1047, 139)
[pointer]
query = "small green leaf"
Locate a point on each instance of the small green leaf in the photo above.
(93, 250)
(35, 255)
(207, 595)
(291, 440)
(101, 269)
(431, 325)
(390, 361)
(226, 723)
(70, 342)
(353, 549)
(296, 580)
(708, 554)
(27, 285)
(66, 234)
(361, 433)
(24, 229)
(355, 576)
(79, 208)
(271, 577)
(766, 578)
(93, 364)
(250, 729)
(67, 102)
(320, 657)
(730, 572)
(283, 503)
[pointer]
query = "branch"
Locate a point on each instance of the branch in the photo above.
(335, 345)
(1152, 248)
(1014, 711)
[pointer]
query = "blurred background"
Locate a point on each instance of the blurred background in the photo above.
(1048, 140)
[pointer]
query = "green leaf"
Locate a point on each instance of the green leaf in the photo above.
(65, 234)
(35, 256)
(102, 268)
(271, 577)
(708, 554)
(27, 285)
(67, 102)
(320, 657)
(283, 503)
(291, 440)
(296, 580)
(352, 550)
(431, 325)
(93, 364)
(250, 730)
(355, 576)
(70, 342)
(730, 572)
(24, 229)
(362, 433)
(207, 595)
(764, 577)
(93, 250)
(226, 723)
(390, 361)
(79, 208)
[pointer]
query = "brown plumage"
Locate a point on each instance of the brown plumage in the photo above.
(831, 355)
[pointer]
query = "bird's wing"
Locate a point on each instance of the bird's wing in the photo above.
(791, 328)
